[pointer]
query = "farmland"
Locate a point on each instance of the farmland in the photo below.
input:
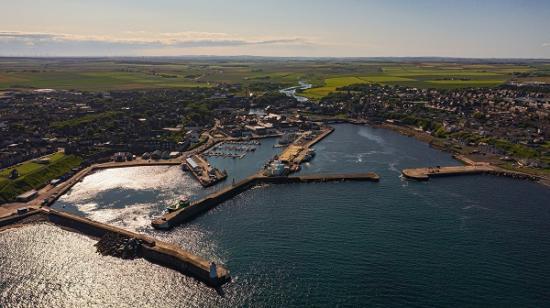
(426, 76)
(255, 75)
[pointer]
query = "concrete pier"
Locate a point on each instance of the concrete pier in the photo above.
(154, 251)
(295, 153)
(322, 178)
(187, 214)
(423, 174)
(203, 171)
(173, 219)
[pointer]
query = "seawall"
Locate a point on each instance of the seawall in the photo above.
(322, 178)
(424, 174)
(14, 219)
(154, 251)
(173, 219)
(187, 214)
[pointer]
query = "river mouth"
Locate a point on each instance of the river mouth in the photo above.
(395, 242)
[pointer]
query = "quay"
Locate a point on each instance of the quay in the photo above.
(203, 171)
(296, 153)
(150, 249)
(199, 207)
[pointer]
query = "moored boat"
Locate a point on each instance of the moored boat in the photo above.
(182, 203)
(309, 155)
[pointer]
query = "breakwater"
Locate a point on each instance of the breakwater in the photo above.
(16, 219)
(424, 174)
(173, 219)
(150, 249)
(321, 178)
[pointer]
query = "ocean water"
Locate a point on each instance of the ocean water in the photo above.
(456, 241)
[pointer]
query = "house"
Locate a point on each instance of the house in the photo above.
(26, 197)
(119, 157)
(193, 136)
(256, 129)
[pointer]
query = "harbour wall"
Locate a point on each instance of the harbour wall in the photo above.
(171, 220)
(187, 214)
(14, 219)
(154, 251)
(424, 174)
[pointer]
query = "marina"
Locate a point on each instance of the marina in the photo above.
(232, 149)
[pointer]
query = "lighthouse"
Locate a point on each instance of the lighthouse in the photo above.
(213, 271)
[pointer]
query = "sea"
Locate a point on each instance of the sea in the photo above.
(464, 241)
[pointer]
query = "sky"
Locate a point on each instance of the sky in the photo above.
(288, 28)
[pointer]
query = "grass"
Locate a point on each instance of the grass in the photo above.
(424, 76)
(93, 81)
(29, 166)
(331, 84)
(70, 123)
(34, 176)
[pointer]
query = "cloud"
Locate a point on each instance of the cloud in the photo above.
(546, 45)
(16, 41)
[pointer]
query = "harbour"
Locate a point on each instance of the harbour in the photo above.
(205, 174)
(356, 219)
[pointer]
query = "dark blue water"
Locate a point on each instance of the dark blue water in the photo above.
(457, 241)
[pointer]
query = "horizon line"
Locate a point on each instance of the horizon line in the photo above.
(275, 57)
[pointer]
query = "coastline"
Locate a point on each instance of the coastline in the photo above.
(434, 142)
(429, 139)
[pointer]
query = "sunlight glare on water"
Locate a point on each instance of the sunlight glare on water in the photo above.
(456, 241)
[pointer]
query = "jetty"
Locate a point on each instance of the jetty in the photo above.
(150, 249)
(201, 206)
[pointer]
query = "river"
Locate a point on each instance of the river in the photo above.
(456, 241)
(291, 92)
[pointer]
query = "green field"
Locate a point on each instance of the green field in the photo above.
(254, 75)
(93, 81)
(33, 175)
(425, 76)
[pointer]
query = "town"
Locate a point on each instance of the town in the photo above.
(274, 153)
(509, 123)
